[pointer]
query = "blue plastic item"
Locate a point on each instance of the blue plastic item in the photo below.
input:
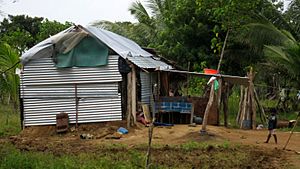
(123, 130)
(162, 124)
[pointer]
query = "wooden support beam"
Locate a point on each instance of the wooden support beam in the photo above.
(240, 105)
(208, 108)
(133, 94)
(225, 97)
(252, 99)
(192, 114)
(129, 98)
(245, 107)
(219, 97)
(288, 140)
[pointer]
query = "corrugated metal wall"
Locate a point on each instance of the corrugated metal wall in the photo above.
(146, 87)
(47, 91)
(147, 82)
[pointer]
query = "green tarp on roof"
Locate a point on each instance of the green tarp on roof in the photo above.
(89, 52)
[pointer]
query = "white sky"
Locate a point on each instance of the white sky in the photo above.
(76, 11)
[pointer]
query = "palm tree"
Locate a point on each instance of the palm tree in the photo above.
(150, 23)
(293, 17)
(9, 81)
(286, 55)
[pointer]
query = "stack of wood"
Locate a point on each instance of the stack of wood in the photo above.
(246, 117)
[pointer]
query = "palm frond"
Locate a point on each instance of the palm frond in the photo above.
(265, 34)
(140, 13)
(9, 80)
(156, 7)
(287, 56)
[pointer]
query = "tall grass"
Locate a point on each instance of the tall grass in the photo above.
(9, 121)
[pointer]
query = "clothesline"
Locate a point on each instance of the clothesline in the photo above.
(279, 88)
(10, 67)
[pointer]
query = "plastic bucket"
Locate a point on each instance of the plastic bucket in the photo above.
(246, 124)
(197, 120)
(210, 71)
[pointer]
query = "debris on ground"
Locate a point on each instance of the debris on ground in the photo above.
(116, 135)
(122, 130)
(192, 125)
(86, 136)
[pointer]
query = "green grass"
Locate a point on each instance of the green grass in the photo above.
(10, 157)
(193, 145)
(188, 155)
(9, 121)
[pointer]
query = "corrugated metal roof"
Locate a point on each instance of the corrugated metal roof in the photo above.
(121, 45)
(149, 62)
(124, 47)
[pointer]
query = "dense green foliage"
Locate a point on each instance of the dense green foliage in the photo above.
(9, 81)
(22, 32)
(194, 32)
(18, 33)
(260, 34)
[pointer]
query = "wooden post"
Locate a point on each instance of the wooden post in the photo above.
(245, 108)
(133, 101)
(219, 97)
(76, 105)
(261, 109)
(288, 140)
(150, 134)
(129, 98)
(225, 96)
(207, 110)
(192, 114)
(188, 80)
(211, 95)
(252, 99)
(240, 106)
(223, 49)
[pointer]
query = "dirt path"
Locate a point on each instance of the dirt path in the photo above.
(45, 139)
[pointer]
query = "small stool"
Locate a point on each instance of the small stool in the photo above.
(62, 122)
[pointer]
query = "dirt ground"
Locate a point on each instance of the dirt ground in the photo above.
(44, 138)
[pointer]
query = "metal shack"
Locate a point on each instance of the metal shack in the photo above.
(82, 71)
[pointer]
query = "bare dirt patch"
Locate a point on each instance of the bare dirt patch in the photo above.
(247, 145)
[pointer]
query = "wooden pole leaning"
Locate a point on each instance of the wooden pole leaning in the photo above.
(292, 131)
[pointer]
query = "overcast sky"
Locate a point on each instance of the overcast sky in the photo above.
(76, 11)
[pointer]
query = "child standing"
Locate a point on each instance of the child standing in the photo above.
(272, 123)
